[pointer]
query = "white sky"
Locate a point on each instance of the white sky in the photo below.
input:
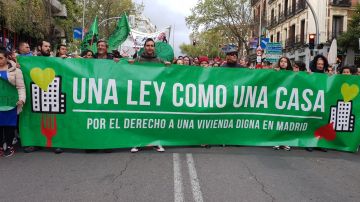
(163, 13)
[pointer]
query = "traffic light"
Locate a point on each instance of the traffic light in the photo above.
(312, 38)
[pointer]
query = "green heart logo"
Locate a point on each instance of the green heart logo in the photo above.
(42, 78)
(349, 92)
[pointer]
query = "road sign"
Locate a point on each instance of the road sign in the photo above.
(77, 33)
(264, 42)
(273, 52)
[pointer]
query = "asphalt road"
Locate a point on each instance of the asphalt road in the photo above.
(182, 174)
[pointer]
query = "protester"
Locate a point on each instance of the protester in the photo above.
(346, 70)
(299, 66)
(244, 62)
(179, 62)
(196, 61)
(24, 49)
(87, 54)
(44, 49)
(8, 119)
(284, 64)
(102, 50)
(319, 64)
(204, 61)
(186, 60)
(231, 57)
(11, 56)
(62, 51)
(149, 56)
(266, 65)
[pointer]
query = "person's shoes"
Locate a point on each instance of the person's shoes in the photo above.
(276, 147)
(134, 150)
(9, 152)
(309, 149)
(29, 149)
(287, 148)
(58, 151)
(159, 148)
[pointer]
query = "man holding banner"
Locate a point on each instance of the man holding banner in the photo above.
(149, 56)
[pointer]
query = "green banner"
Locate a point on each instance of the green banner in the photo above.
(8, 96)
(93, 104)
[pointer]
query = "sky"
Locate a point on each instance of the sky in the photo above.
(163, 13)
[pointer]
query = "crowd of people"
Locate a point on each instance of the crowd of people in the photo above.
(10, 70)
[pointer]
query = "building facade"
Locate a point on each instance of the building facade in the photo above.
(290, 22)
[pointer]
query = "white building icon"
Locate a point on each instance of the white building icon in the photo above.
(51, 101)
(341, 117)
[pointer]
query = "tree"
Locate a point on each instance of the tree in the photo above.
(230, 16)
(106, 9)
(351, 37)
(205, 43)
(26, 16)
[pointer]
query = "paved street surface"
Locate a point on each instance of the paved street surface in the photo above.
(182, 174)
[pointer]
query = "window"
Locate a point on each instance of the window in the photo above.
(337, 26)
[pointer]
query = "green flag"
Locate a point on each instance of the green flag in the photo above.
(91, 37)
(120, 34)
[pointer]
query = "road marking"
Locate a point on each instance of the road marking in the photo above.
(195, 113)
(178, 189)
(194, 179)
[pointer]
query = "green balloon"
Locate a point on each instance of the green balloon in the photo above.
(163, 50)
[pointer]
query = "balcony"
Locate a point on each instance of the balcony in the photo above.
(290, 42)
(282, 17)
(340, 3)
(300, 6)
(272, 23)
(253, 2)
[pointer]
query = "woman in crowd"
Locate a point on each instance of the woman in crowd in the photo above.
(179, 62)
(187, 61)
(347, 70)
(204, 61)
(299, 66)
(284, 64)
(196, 62)
(319, 64)
(244, 61)
(8, 119)
(87, 54)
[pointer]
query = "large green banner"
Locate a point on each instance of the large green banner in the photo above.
(93, 104)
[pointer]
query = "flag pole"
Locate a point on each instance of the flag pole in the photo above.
(83, 22)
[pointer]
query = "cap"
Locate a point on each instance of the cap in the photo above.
(230, 48)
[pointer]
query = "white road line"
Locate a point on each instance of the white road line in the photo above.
(178, 187)
(195, 113)
(194, 179)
